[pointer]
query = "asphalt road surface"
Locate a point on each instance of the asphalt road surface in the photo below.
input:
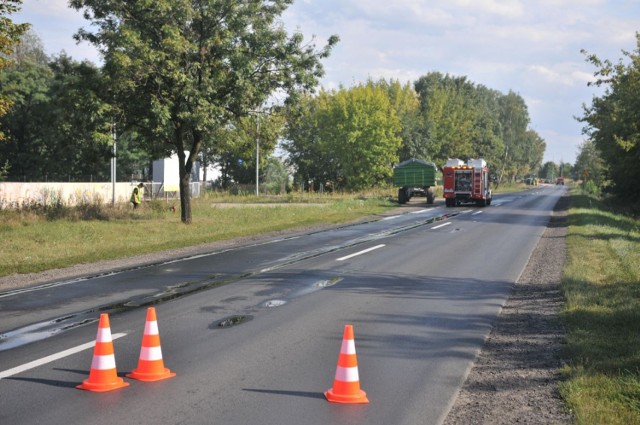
(421, 290)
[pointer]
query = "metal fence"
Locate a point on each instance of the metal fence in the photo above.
(157, 190)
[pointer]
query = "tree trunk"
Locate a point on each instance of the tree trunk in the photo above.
(185, 198)
(185, 187)
(186, 165)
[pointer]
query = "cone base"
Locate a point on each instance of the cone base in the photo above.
(100, 388)
(360, 397)
(150, 376)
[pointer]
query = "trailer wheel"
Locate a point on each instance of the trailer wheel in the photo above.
(430, 195)
(402, 196)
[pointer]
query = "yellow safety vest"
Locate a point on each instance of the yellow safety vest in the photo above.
(135, 195)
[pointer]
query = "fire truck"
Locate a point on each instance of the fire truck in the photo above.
(466, 183)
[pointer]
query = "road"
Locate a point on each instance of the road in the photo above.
(421, 290)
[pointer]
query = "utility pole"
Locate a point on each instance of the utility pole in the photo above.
(258, 156)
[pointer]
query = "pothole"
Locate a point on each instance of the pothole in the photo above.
(328, 282)
(273, 303)
(234, 320)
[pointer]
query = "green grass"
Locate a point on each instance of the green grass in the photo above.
(38, 239)
(601, 284)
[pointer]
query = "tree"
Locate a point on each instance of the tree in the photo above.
(613, 121)
(514, 117)
(10, 34)
(193, 65)
(549, 170)
(308, 151)
(26, 86)
(448, 116)
(77, 121)
(589, 166)
(276, 177)
(348, 138)
(30, 49)
(406, 104)
(235, 149)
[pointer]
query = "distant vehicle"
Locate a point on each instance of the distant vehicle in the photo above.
(415, 177)
(560, 180)
(465, 183)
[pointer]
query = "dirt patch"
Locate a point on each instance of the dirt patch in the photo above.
(516, 375)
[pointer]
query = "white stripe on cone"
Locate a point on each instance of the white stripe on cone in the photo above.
(107, 362)
(151, 328)
(104, 335)
(151, 353)
(348, 346)
(347, 374)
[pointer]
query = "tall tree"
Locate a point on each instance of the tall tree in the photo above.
(589, 166)
(515, 120)
(308, 151)
(406, 105)
(26, 86)
(549, 170)
(347, 138)
(10, 34)
(77, 121)
(241, 141)
(613, 120)
(181, 69)
(448, 116)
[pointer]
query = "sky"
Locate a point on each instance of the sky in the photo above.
(530, 47)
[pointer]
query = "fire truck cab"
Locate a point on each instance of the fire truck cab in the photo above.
(466, 183)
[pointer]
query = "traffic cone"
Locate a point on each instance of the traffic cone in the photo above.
(103, 375)
(346, 385)
(150, 366)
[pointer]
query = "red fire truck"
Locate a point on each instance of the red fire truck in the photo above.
(466, 183)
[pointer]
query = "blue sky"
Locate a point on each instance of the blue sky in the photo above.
(529, 46)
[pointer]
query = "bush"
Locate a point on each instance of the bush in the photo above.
(590, 187)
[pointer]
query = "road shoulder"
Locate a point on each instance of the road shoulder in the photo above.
(516, 376)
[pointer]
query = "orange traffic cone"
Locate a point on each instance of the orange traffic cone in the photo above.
(346, 385)
(150, 366)
(103, 375)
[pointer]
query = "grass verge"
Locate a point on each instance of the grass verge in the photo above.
(35, 242)
(601, 284)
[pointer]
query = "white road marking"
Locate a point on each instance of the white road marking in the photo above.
(477, 212)
(390, 218)
(421, 211)
(53, 357)
(440, 225)
(360, 253)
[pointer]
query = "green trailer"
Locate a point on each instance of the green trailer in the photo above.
(415, 177)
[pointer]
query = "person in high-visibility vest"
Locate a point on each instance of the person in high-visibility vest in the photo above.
(136, 195)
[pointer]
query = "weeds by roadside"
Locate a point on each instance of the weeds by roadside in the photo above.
(37, 238)
(601, 284)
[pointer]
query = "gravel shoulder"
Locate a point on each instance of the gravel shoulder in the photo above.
(516, 375)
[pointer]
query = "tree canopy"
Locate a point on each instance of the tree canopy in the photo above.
(10, 34)
(346, 138)
(613, 120)
(333, 137)
(182, 69)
